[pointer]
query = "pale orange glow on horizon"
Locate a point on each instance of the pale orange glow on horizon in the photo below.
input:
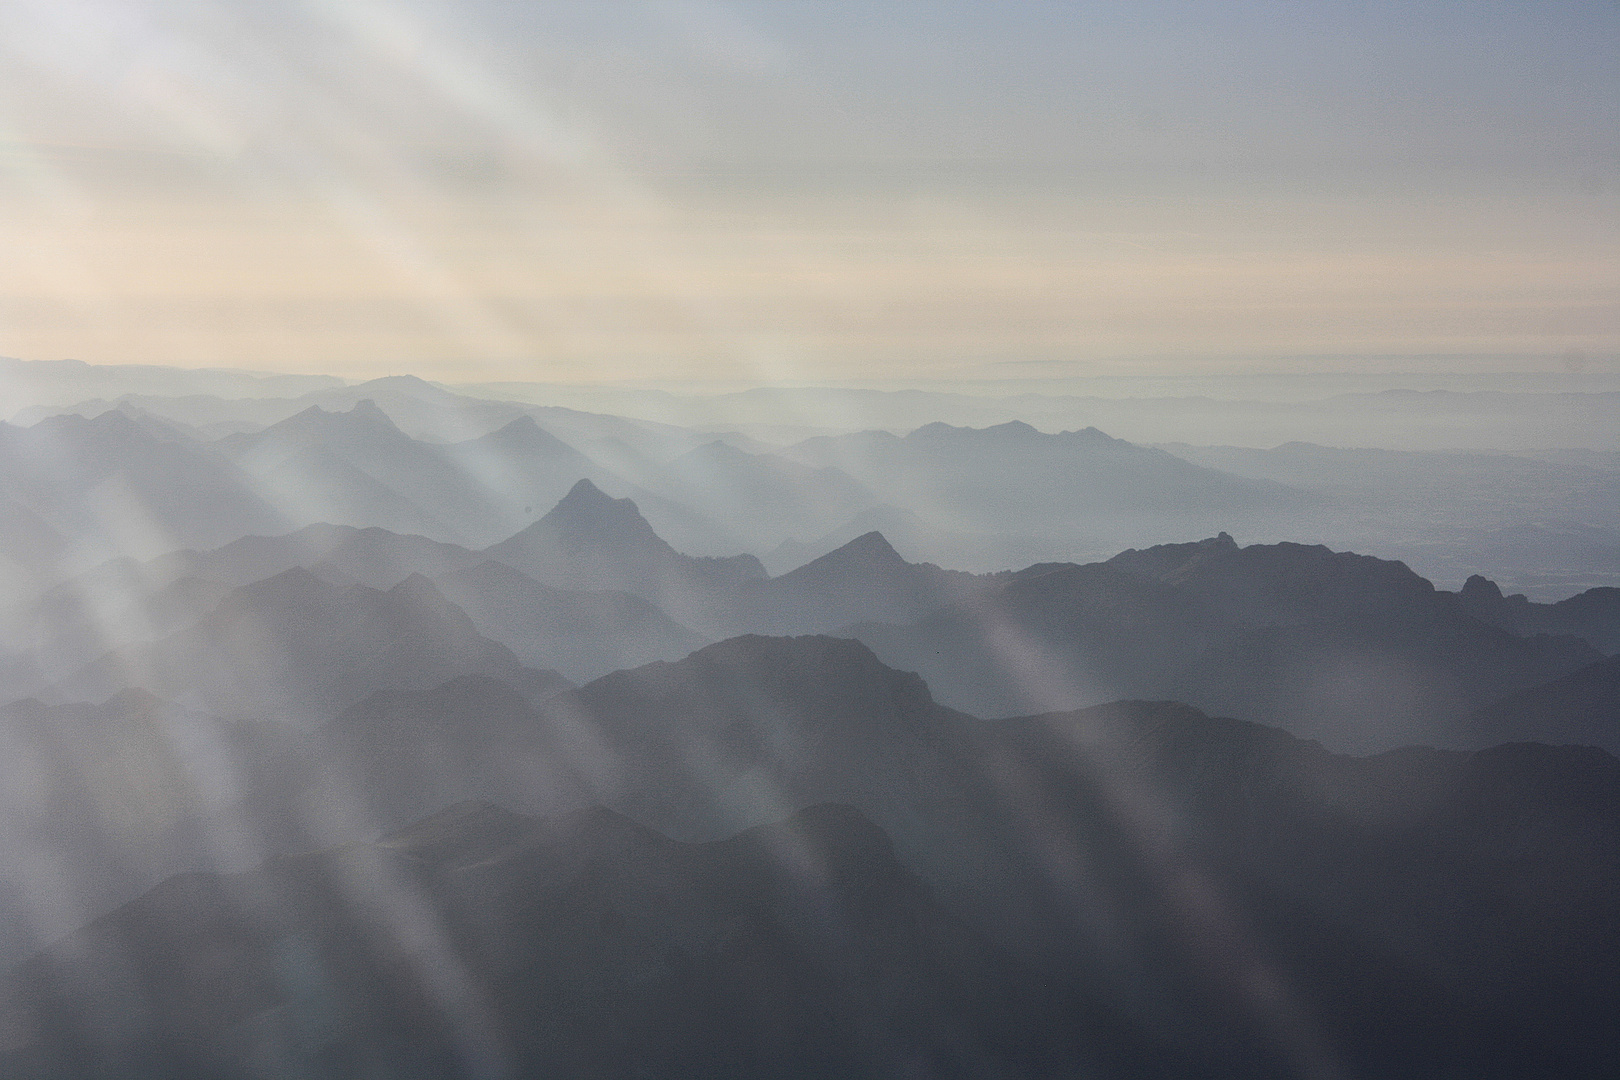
(365, 187)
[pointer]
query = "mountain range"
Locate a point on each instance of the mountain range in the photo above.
(1200, 896)
(294, 647)
(1359, 652)
(390, 730)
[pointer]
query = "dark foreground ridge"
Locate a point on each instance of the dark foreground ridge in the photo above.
(1132, 890)
(484, 943)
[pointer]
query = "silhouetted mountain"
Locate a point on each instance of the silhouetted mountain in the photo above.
(423, 409)
(753, 727)
(760, 498)
(1200, 897)
(299, 648)
(93, 614)
(582, 635)
(1359, 652)
(373, 557)
(104, 801)
(1080, 485)
(866, 580)
(1582, 708)
(62, 382)
(590, 541)
(29, 547)
(1125, 839)
(409, 753)
(110, 485)
(357, 468)
(478, 490)
(124, 602)
(1593, 615)
(733, 735)
(585, 946)
(921, 540)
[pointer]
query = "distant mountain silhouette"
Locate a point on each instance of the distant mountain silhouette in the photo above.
(891, 521)
(372, 556)
(1538, 517)
(582, 635)
(1359, 652)
(922, 540)
(114, 797)
(1582, 708)
(298, 648)
(1593, 615)
(761, 498)
(1011, 479)
(526, 468)
(590, 541)
(109, 483)
(125, 602)
(734, 735)
(870, 817)
(407, 753)
(29, 547)
(357, 468)
(80, 620)
(865, 580)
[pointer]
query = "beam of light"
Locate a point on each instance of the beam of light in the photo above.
(1215, 928)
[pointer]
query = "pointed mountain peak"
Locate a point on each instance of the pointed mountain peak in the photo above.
(865, 559)
(718, 450)
(415, 583)
(868, 549)
(523, 425)
(293, 577)
(111, 424)
(589, 517)
(371, 414)
(365, 414)
(1096, 435)
(420, 591)
(296, 582)
(586, 497)
(311, 415)
(939, 429)
(526, 435)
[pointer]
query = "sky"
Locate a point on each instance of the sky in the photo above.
(758, 192)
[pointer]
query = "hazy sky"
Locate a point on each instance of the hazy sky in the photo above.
(810, 190)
